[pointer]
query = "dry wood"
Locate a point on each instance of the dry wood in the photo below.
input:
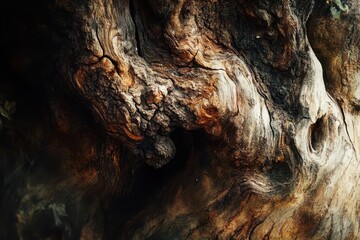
(186, 119)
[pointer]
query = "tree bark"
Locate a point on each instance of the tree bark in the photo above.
(184, 119)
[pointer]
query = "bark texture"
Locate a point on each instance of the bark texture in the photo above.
(184, 119)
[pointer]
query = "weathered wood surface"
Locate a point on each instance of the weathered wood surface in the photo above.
(182, 119)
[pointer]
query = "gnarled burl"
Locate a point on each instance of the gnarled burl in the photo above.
(182, 119)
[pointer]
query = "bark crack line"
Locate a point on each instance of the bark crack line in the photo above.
(270, 117)
(137, 36)
(347, 132)
(256, 225)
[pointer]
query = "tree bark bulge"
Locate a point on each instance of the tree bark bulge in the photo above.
(181, 119)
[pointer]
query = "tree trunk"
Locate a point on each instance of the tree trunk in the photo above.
(185, 119)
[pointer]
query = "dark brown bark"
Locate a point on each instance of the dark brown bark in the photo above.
(183, 119)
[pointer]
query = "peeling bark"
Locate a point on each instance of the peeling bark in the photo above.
(182, 119)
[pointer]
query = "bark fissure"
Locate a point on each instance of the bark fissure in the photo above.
(346, 129)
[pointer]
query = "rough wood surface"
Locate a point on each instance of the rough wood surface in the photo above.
(184, 119)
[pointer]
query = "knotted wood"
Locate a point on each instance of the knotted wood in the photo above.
(183, 119)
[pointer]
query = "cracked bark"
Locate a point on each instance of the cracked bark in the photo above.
(181, 119)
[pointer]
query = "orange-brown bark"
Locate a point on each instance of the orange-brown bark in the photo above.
(183, 119)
